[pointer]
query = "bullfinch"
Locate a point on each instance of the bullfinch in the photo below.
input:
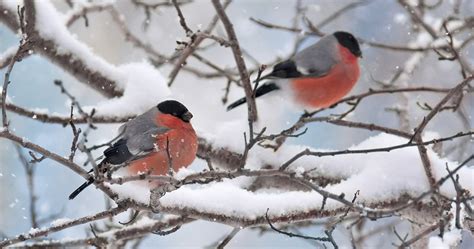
(149, 140)
(317, 76)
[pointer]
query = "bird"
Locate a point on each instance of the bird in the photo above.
(146, 142)
(318, 76)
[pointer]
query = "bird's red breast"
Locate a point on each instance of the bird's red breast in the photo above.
(182, 146)
(320, 92)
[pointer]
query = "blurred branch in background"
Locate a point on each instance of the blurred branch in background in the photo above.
(292, 169)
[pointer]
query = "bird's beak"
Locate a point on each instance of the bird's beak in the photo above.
(187, 116)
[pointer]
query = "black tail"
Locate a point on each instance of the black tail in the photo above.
(82, 187)
(118, 153)
(261, 90)
(86, 184)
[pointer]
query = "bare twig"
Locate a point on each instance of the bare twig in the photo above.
(75, 132)
(188, 50)
(23, 48)
(424, 233)
(30, 175)
(324, 239)
(244, 76)
(46, 231)
(308, 152)
(60, 159)
(228, 238)
(182, 20)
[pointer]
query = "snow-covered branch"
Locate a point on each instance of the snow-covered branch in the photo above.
(271, 178)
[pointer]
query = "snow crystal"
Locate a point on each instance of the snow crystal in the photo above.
(60, 222)
(299, 171)
(400, 18)
(34, 230)
(40, 110)
(183, 173)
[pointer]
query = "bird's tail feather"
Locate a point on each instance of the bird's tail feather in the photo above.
(262, 90)
(86, 184)
(81, 188)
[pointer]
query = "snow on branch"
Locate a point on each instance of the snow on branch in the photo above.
(49, 36)
(263, 181)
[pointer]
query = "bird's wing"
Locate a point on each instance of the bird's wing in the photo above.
(144, 143)
(314, 61)
(118, 153)
(136, 138)
(134, 147)
(284, 70)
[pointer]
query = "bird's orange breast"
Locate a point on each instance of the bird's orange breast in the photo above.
(182, 147)
(320, 92)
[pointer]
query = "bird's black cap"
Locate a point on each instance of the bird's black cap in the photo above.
(176, 109)
(349, 41)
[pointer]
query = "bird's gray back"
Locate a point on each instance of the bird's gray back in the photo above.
(318, 58)
(139, 124)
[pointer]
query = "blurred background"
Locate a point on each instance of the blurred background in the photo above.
(377, 20)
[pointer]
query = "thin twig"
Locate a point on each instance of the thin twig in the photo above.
(188, 50)
(228, 238)
(244, 76)
(30, 175)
